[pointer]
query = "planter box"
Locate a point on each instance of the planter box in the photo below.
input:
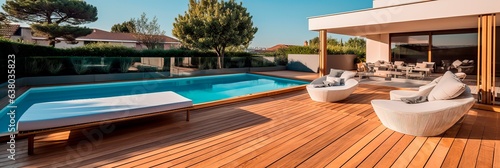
(195, 72)
(310, 62)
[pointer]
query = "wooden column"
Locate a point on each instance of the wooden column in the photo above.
(486, 58)
(31, 144)
(322, 53)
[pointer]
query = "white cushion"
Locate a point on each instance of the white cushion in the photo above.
(426, 89)
(348, 74)
(448, 87)
(330, 78)
(421, 65)
(80, 111)
(456, 63)
(335, 72)
(332, 81)
(436, 80)
(328, 83)
(429, 64)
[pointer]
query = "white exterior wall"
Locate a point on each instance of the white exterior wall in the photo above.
(382, 20)
(377, 47)
(63, 44)
(384, 3)
(129, 45)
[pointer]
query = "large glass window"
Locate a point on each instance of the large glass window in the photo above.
(447, 48)
(409, 48)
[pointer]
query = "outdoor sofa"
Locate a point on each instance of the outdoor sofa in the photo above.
(333, 93)
(449, 100)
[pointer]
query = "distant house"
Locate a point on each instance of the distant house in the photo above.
(24, 34)
(270, 49)
(277, 47)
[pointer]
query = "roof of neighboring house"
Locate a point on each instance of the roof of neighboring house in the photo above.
(101, 35)
(9, 30)
(277, 47)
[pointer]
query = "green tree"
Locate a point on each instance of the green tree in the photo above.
(3, 20)
(329, 41)
(53, 18)
(356, 43)
(212, 24)
(125, 27)
(148, 32)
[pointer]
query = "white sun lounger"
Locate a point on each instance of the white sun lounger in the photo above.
(56, 116)
(73, 112)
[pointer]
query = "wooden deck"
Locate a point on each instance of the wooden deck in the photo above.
(284, 130)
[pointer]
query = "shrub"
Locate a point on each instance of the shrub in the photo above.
(80, 65)
(102, 50)
(36, 66)
(54, 66)
(146, 68)
(124, 64)
(282, 54)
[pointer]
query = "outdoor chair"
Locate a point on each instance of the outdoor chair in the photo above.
(448, 101)
(333, 93)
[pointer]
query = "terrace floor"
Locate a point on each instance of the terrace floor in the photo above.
(285, 130)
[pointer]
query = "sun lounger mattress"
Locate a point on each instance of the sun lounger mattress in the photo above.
(71, 112)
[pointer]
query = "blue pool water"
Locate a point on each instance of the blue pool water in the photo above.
(198, 89)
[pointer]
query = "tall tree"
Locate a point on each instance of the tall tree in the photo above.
(212, 24)
(125, 27)
(356, 42)
(53, 18)
(329, 41)
(3, 20)
(148, 32)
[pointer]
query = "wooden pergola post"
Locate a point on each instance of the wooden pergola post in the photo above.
(486, 58)
(322, 53)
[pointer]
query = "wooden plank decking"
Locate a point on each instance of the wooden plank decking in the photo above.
(284, 130)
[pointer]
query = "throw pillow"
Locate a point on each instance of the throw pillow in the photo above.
(437, 79)
(328, 83)
(318, 85)
(414, 100)
(340, 81)
(456, 63)
(448, 87)
(348, 74)
(335, 72)
(334, 81)
(425, 90)
(421, 65)
(330, 78)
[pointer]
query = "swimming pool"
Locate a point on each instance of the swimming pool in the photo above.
(199, 89)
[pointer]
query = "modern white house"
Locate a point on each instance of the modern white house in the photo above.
(440, 31)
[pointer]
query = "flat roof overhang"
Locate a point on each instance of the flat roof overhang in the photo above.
(415, 17)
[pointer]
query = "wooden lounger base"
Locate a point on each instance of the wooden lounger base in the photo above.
(31, 134)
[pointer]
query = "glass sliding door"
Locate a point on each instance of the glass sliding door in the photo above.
(448, 48)
(409, 48)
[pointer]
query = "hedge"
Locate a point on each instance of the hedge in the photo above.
(102, 50)
(282, 53)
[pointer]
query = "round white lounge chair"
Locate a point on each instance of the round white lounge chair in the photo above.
(333, 93)
(424, 119)
(398, 94)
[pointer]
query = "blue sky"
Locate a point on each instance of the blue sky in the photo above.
(279, 21)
